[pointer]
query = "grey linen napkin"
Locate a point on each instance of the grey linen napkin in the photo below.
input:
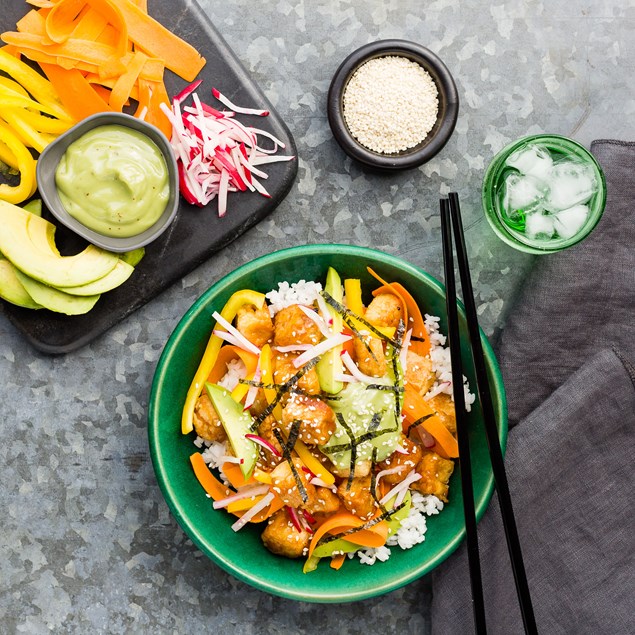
(567, 354)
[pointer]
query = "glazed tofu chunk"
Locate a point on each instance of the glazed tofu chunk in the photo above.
(384, 310)
(317, 419)
(357, 499)
(281, 537)
(283, 370)
(435, 475)
(255, 324)
(207, 423)
(325, 501)
(293, 326)
(283, 483)
(419, 373)
(369, 355)
(405, 463)
(443, 405)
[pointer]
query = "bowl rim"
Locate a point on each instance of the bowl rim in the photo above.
(51, 155)
(492, 176)
(158, 458)
(448, 105)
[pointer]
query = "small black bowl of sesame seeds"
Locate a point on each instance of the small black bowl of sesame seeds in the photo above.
(392, 105)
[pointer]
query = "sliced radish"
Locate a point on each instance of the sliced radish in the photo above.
(321, 348)
(253, 511)
(243, 341)
(245, 492)
(216, 154)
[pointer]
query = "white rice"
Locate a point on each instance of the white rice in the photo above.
(301, 292)
(411, 532)
(442, 364)
(236, 370)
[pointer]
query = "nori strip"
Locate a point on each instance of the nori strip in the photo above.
(347, 315)
(354, 444)
(294, 432)
(280, 390)
(417, 423)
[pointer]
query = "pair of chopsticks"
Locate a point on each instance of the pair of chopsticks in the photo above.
(451, 220)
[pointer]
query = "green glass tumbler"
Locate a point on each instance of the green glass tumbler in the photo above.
(512, 231)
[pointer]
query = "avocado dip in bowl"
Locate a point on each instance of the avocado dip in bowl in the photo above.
(242, 553)
(112, 179)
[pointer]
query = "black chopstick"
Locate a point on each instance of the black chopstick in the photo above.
(491, 432)
(454, 343)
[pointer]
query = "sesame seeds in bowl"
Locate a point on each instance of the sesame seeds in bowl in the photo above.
(392, 105)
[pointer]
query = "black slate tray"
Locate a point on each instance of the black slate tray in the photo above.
(197, 233)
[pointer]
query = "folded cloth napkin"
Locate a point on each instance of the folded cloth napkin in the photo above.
(567, 354)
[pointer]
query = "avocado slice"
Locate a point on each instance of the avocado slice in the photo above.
(111, 280)
(54, 299)
(11, 289)
(237, 423)
(25, 241)
(134, 256)
(330, 365)
(34, 206)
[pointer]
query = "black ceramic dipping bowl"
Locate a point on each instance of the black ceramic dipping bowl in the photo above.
(436, 138)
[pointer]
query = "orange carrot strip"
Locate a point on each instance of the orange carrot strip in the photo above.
(90, 26)
(101, 55)
(341, 521)
(33, 22)
(337, 561)
(155, 116)
(42, 4)
(157, 41)
(62, 19)
(235, 476)
(123, 86)
(416, 407)
(208, 481)
(394, 291)
(421, 345)
(76, 93)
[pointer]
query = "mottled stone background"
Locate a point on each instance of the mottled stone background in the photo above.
(86, 541)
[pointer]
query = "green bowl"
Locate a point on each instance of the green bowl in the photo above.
(242, 554)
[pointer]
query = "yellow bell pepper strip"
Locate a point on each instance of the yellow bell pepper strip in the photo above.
(416, 409)
(266, 373)
(353, 294)
(25, 165)
(29, 135)
(10, 99)
(7, 157)
(312, 463)
(237, 300)
(38, 86)
(10, 87)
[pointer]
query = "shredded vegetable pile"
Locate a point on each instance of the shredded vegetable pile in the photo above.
(216, 153)
(99, 54)
(325, 417)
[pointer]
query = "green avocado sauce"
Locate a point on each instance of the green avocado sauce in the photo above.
(369, 414)
(113, 180)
